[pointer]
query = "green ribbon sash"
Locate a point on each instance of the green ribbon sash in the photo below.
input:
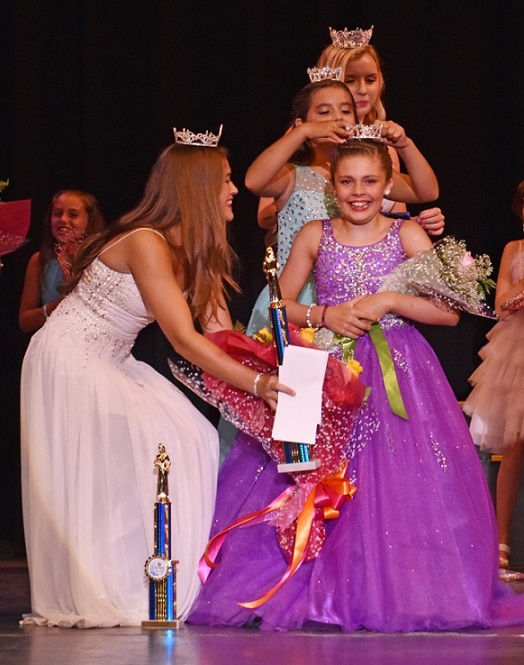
(387, 366)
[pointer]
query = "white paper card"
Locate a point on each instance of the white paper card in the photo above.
(297, 417)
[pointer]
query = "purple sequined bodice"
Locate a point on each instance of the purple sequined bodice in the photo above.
(343, 272)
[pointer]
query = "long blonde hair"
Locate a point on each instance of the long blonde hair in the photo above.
(182, 191)
(333, 56)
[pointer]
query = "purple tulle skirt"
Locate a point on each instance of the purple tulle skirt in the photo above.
(414, 550)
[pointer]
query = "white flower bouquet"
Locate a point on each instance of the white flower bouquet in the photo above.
(448, 275)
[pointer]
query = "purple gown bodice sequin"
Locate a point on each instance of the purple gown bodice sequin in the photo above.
(367, 265)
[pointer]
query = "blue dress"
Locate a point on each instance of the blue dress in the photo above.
(52, 279)
(416, 548)
(310, 199)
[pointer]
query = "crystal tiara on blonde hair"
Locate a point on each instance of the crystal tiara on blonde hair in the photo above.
(360, 131)
(204, 140)
(321, 74)
(350, 38)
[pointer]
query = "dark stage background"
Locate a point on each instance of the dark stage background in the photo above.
(89, 92)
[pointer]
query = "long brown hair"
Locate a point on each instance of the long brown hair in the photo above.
(182, 191)
(95, 222)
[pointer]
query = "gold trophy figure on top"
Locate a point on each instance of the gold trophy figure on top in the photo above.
(159, 568)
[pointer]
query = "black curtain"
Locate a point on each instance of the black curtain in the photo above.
(90, 91)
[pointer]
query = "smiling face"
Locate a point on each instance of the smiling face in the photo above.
(69, 218)
(227, 192)
(360, 182)
(363, 78)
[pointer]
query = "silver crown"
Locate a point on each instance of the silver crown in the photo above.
(320, 74)
(360, 131)
(350, 38)
(205, 140)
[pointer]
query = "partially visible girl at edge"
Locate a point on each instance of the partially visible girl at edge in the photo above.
(496, 403)
(72, 216)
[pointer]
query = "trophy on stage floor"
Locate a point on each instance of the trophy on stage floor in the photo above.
(160, 569)
(297, 455)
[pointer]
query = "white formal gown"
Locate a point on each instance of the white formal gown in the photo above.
(92, 417)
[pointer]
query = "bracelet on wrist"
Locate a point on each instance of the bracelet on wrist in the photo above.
(323, 318)
(255, 383)
(46, 313)
(308, 315)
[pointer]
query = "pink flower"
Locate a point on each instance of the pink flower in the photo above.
(467, 260)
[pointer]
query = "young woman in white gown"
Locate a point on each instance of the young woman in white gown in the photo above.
(92, 415)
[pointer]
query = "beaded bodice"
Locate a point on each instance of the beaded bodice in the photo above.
(344, 272)
(106, 310)
(310, 198)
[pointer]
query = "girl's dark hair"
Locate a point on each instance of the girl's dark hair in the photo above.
(366, 147)
(300, 108)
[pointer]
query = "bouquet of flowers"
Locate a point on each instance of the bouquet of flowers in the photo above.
(15, 217)
(342, 396)
(448, 275)
(66, 251)
(313, 496)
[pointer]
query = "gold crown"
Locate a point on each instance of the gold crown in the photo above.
(320, 74)
(360, 131)
(205, 140)
(350, 38)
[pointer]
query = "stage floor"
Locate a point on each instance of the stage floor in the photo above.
(239, 646)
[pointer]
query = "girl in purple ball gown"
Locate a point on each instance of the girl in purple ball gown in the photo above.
(416, 547)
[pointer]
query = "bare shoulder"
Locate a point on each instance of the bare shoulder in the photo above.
(146, 243)
(413, 238)
(513, 248)
(130, 249)
(34, 260)
(310, 233)
(313, 227)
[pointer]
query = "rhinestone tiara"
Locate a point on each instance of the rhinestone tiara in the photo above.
(360, 131)
(350, 38)
(205, 140)
(320, 74)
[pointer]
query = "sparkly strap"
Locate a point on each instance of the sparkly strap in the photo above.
(142, 228)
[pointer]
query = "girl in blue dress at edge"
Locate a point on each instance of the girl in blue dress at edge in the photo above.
(416, 547)
(72, 216)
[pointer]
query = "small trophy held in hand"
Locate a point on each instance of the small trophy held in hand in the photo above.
(297, 455)
(159, 568)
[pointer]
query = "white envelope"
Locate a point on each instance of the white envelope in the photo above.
(297, 417)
